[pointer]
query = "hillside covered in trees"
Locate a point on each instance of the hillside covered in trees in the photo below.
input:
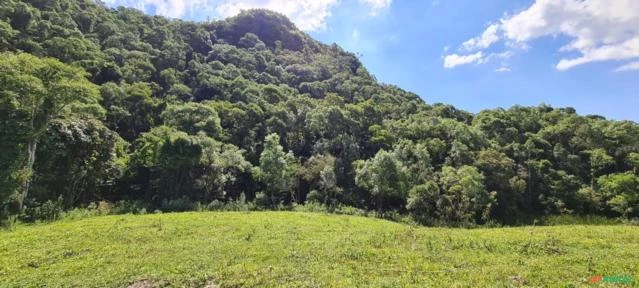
(114, 106)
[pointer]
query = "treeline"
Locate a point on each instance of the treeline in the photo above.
(100, 104)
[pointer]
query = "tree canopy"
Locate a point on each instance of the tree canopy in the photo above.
(100, 104)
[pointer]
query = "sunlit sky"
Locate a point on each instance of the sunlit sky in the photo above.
(472, 54)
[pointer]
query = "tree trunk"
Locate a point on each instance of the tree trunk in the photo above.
(31, 155)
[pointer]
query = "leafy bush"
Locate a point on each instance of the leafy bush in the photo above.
(127, 207)
(350, 210)
(47, 211)
(311, 206)
(102, 208)
(178, 205)
(239, 204)
(261, 200)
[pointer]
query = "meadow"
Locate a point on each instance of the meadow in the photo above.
(296, 249)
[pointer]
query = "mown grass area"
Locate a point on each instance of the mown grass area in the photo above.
(294, 249)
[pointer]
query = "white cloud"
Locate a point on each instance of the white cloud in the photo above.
(308, 15)
(377, 5)
(599, 30)
(169, 8)
(502, 69)
(454, 60)
(628, 67)
(486, 39)
(619, 51)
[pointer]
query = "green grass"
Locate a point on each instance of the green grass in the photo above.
(294, 249)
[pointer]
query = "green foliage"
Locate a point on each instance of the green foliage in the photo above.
(78, 159)
(465, 197)
(178, 205)
(174, 164)
(599, 159)
(111, 104)
(386, 178)
(621, 192)
(633, 159)
(193, 118)
(501, 177)
(47, 211)
(319, 173)
(35, 92)
(276, 172)
(422, 202)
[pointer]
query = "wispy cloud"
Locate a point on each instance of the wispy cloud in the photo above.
(308, 15)
(486, 39)
(377, 5)
(628, 67)
(169, 8)
(454, 60)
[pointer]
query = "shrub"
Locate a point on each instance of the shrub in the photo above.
(215, 205)
(261, 200)
(239, 204)
(179, 205)
(127, 207)
(350, 210)
(310, 206)
(105, 208)
(47, 211)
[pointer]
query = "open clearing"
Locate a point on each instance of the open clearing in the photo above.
(293, 249)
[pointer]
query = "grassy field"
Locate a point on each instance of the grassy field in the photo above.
(292, 249)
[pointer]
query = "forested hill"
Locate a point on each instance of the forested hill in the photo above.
(147, 112)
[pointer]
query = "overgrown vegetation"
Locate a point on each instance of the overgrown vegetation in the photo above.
(112, 105)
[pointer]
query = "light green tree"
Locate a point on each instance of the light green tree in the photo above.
(633, 158)
(38, 91)
(621, 192)
(276, 171)
(385, 177)
(599, 160)
(193, 118)
(464, 195)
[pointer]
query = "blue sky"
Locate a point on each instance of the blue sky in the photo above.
(472, 54)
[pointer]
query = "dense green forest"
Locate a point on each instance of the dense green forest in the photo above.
(101, 105)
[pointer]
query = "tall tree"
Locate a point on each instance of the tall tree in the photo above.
(276, 171)
(386, 178)
(464, 196)
(41, 90)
